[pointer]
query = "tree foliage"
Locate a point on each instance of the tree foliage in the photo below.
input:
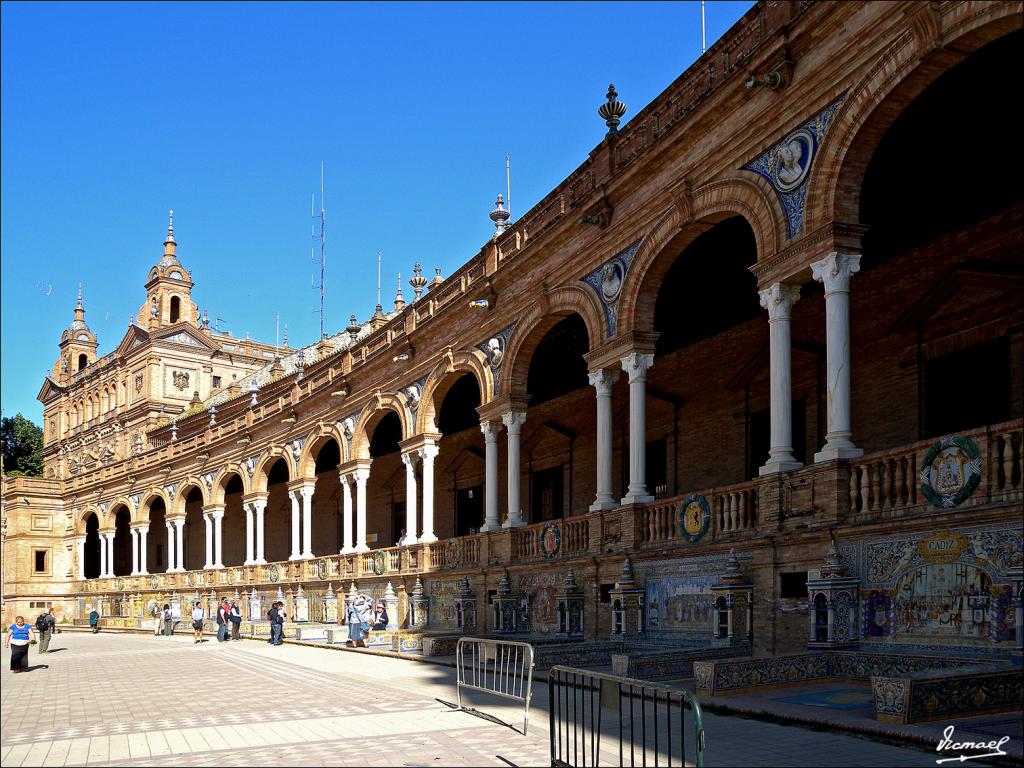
(22, 446)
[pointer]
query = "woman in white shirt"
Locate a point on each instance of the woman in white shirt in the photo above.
(198, 618)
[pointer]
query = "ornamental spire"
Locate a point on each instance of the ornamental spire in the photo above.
(169, 243)
(79, 307)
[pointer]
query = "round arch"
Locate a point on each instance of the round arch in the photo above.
(675, 230)
(316, 440)
(146, 502)
(182, 494)
(83, 518)
(898, 76)
(441, 379)
(371, 417)
(531, 328)
(222, 479)
(266, 461)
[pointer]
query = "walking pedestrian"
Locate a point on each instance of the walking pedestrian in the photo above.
(18, 636)
(358, 618)
(235, 614)
(198, 617)
(45, 625)
(168, 616)
(222, 620)
(94, 620)
(158, 620)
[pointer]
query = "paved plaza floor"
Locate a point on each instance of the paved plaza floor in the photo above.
(123, 699)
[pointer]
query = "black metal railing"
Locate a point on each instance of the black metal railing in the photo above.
(645, 724)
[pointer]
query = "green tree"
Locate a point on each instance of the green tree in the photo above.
(22, 446)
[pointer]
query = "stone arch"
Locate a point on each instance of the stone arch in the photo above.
(109, 518)
(913, 61)
(383, 402)
(576, 299)
(83, 517)
(221, 480)
(181, 495)
(147, 500)
(316, 440)
(266, 461)
(441, 379)
(712, 203)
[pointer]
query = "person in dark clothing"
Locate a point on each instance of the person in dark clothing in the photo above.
(45, 626)
(277, 617)
(94, 620)
(222, 621)
(236, 619)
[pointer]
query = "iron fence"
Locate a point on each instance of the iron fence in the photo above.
(647, 724)
(501, 667)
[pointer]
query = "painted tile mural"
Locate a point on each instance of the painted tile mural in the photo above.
(537, 596)
(678, 593)
(443, 596)
(952, 587)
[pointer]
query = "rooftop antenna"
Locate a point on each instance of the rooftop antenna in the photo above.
(508, 189)
(322, 237)
(703, 39)
(378, 280)
(277, 334)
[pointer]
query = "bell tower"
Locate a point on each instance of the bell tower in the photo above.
(77, 346)
(168, 290)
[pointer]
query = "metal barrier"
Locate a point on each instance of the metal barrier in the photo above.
(651, 720)
(501, 667)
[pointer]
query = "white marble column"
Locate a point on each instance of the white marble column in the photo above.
(306, 492)
(296, 499)
(103, 556)
(779, 300)
(110, 553)
(143, 545)
(427, 454)
(208, 522)
(491, 430)
(170, 546)
(514, 421)
(362, 475)
(602, 381)
(835, 271)
(179, 524)
(135, 551)
(346, 511)
(218, 530)
(249, 559)
(260, 507)
(411, 517)
(80, 546)
(636, 366)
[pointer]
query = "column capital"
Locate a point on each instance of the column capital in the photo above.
(361, 474)
(303, 489)
(636, 365)
(491, 430)
(215, 510)
(779, 299)
(409, 459)
(602, 380)
(427, 451)
(255, 498)
(416, 442)
(513, 420)
(835, 271)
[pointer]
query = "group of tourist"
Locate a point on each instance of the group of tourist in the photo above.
(21, 634)
(362, 616)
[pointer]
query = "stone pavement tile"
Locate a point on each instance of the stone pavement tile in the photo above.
(99, 749)
(58, 752)
(157, 744)
(16, 755)
(137, 745)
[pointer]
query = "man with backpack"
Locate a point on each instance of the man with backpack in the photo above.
(222, 620)
(45, 625)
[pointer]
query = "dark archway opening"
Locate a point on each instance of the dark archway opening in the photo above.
(175, 309)
(458, 409)
(709, 288)
(233, 548)
(557, 366)
(194, 534)
(122, 542)
(156, 541)
(92, 547)
(83, 361)
(327, 531)
(386, 436)
(459, 424)
(278, 516)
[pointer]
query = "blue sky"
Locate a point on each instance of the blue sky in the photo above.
(113, 113)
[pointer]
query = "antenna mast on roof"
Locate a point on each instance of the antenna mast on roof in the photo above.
(508, 189)
(322, 237)
(378, 281)
(703, 38)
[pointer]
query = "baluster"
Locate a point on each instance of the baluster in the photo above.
(865, 488)
(912, 478)
(1007, 483)
(720, 513)
(854, 489)
(734, 510)
(887, 495)
(901, 481)
(876, 486)
(652, 525)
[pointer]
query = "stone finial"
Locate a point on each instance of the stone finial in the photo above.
(279, 595)
(417, 589)
(504, 586)
(353, 327)
(352, 590)
(733, 572)
(612, 111)
(169, 244)
(300, 593)
(417, 281)
(437, 279)
(330, 591)
(499, 216)
(465, 589)
(389, 591)
(569, 583)
(399, 299)
(833, 567)
(626, 578)
(236, 596)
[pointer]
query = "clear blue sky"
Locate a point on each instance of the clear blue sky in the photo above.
(114, 113)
